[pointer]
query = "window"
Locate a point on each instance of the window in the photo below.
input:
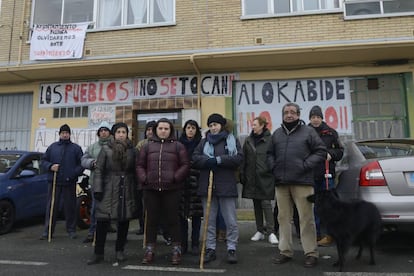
(62, 11)
(70, 112)
(288, 7)
(105, 13)
(357, 9)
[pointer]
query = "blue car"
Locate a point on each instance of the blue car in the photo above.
(23, 187)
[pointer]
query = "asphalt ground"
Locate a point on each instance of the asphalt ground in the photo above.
(22, 253)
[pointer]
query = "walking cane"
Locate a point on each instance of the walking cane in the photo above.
(327, 174)
(144, 240)
(52, 206)
(207, 214)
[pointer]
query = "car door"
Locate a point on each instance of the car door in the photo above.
(29, 187)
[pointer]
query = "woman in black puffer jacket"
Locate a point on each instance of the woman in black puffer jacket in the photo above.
(191, 206)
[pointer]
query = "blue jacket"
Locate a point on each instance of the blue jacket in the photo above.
(68, 155)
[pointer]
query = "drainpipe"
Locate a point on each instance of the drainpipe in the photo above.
(19, 57)
(192, 60)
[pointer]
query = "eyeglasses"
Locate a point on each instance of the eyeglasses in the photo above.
(291, 112)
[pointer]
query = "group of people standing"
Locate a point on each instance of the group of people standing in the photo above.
(173, 176)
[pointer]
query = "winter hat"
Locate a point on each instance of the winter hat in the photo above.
(64, 127)
(104, 124)
(150, 124)
(316, 110)
(118, 125)
(216, 118)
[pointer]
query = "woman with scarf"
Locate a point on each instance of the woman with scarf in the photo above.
(191, 206)
(114, 187)
(220, 152)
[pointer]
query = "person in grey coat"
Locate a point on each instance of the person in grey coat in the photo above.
(114, 187)
(295, 150)
(221, 153)
(88, 161)
(257, 179)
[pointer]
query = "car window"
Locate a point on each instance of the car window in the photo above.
(379, 149)
(7, 161)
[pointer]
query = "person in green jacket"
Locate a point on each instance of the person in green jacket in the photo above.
(88, 161)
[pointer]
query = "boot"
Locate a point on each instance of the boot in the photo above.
(120, 256)
(176, 254)
(149, 254)
(95, 259)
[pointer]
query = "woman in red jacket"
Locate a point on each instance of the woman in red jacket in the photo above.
(162, 166)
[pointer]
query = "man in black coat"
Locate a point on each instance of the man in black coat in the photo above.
(295, 150)
(62, 158)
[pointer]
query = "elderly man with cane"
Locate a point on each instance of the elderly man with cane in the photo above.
(62, 160)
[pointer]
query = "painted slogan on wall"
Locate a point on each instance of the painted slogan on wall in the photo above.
(266, 98)
(123, 91)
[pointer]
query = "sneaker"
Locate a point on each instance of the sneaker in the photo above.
(210, 255)
(273, 239)
(231, 256)
(258, 236)
(326, 241)
(44, 236)
(72, 235)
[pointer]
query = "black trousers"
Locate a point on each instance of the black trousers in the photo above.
(165, 205)
(102, 227)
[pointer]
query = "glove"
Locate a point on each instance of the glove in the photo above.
(98, 196)
(211, 163)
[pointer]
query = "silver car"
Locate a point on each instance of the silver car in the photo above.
(382, 172)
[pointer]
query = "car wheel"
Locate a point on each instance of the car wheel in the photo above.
(84, 205)
(7, 216)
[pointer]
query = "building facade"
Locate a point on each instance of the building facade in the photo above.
(182, 59)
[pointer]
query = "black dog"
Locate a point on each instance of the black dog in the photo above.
(354, 222)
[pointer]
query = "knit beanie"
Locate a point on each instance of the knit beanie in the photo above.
(118, 125)
(104, 124)
(64, 127)
(316, 110)
(216, 118)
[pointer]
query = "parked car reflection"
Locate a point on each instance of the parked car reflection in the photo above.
(23, 187)
(380, 171)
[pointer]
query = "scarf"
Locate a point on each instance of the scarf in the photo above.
(213, 139)
(119, 149)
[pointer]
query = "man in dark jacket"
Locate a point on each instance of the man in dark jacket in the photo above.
(295, 150)
(62, 158)
(335, 152)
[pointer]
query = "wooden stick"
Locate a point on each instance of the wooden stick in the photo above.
(206, 216)
(52, 206)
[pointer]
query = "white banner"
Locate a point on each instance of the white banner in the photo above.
(99, 113)
(266, 98)
(124, 91)
(55, 41)
(45, 137)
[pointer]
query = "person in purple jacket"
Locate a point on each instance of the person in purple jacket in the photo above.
(162, 166)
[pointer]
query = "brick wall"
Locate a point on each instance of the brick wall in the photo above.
(207, 25)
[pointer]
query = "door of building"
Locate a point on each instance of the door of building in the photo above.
(173, 115)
